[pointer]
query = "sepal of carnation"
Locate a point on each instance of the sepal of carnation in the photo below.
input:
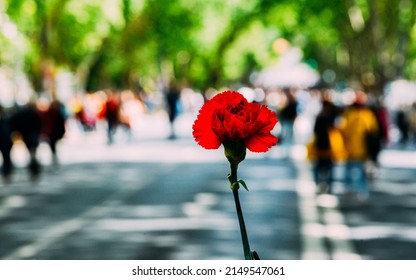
(235, 151)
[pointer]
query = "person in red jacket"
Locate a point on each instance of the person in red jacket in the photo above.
(53, 126)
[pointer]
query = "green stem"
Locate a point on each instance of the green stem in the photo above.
(246, 246)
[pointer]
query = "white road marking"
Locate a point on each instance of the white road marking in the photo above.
(322, 221)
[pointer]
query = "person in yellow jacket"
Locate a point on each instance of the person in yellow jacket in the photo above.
(358, 123)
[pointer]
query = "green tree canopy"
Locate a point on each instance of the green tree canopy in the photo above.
(124, 43)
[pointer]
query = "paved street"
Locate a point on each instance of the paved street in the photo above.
(153, 198)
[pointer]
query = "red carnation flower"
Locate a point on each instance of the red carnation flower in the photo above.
(229, 119)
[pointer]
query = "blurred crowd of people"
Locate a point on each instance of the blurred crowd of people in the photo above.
(31, 123)
(347, 129)
(45, 120)
(118, 109)
(122, 110)
(352, 132)
(362, 132)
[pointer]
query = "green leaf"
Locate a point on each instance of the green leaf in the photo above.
(241, 181)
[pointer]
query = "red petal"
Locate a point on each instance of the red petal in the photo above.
(260, 143)
(203, 133)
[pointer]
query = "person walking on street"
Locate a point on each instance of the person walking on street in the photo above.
(28, 123)
(112, 114)
(172, 96)
(378, 140)
(403, 125)
(6, 143)
(325, 149)
(53, 126)
(357, 122)
(288, 115)
(412, 122)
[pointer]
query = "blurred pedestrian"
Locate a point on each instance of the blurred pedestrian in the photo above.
(27, 122)
(81, 111)
(377, 140)
(357, 122)
(412, 121)
(326, 145)
(6, 142)
(403, 125)
(131, 110)
(112, 115)
(172, 96)
(53, 126)
(288, 115)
